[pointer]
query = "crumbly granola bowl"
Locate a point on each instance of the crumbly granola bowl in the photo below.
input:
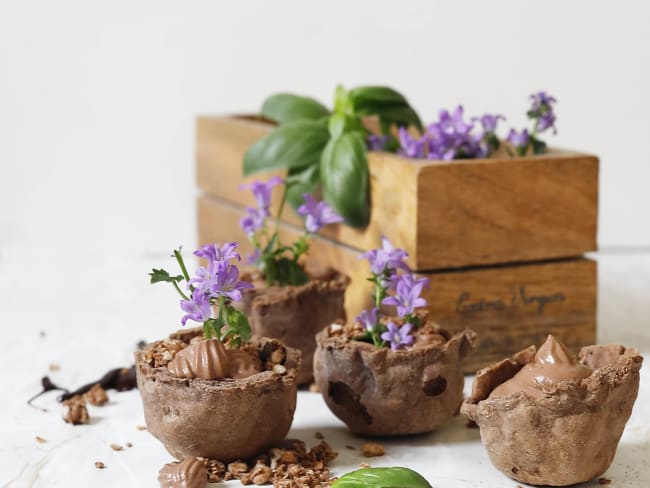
(294, 314)
(226, 419)
(379, 391)
(548, 418)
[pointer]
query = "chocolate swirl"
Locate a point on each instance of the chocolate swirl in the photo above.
(189, 473)
(207, 360)
(552, 364)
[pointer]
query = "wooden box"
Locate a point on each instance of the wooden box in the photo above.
(500, 240)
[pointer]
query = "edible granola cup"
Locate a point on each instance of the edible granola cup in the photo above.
(223, 419)
(570, 433)
(377, 391)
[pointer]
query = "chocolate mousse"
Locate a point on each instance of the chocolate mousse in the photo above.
(189, 473)
(552, 364)
(205, 359)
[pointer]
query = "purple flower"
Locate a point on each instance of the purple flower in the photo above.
(197, 308)
(398, 337)
(368, 319)
(262, 191)
(212, 252)
(541, 100)
(518, 139)
(386, 259)
(409, 145)
(377, 142)
(546, 121)
(253, 257)
(454, 124)
(542, 110)
(219, 277)
(227, 284)
(206, 276)
(317, 214)
(407, 294)
(489, 122)
(254, 220)
(450, 137)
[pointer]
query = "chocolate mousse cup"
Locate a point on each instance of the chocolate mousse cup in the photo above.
(223, 419)
(295, 314)
(377, 391)
(563, 433)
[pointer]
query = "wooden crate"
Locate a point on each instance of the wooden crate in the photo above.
(445, 214)
(509, 306)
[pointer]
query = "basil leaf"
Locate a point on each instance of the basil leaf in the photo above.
(382, 478)
(285, 107)
(160, 275)
(390, 105)
(300, 181)
(344, 177)
(293, 145)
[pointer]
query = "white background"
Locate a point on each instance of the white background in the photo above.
(98, 99)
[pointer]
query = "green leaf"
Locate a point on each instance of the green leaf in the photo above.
(344, 177)
(296, 144)
(285, 107)
(389, 105)
(238, 327)
(340, 123)
(160, 275)
(539, 146)
(288, 272)
(382, 478)
(300, 181)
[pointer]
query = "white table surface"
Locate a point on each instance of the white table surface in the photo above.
(87, 313)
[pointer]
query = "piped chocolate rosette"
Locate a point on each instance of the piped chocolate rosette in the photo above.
(549, 418)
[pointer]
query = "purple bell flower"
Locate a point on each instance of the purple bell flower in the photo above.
(318, 214)
(398, 337)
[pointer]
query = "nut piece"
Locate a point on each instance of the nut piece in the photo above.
(128, 444)
(162, 352)
(279, 369)
(40, 439)
(140, 427)
(99, 465)
(77, 412)
(96, 396)
(116, 447)
(261, 474)
(372, 449)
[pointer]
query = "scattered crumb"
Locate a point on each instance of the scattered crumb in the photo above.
(76, 413)
(40, 440)
(140, 427)
(364, 465)
(352, 448)
(604, 481)
(279, 369)
(314, 388)
(116, 447)
(372, 449)
(96, 396)
(99, 465)
(288, 466)
(54, 367)
(319, 435)
(128, 444)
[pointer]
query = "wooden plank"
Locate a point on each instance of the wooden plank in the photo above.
(510, 307)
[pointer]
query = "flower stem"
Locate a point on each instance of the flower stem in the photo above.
(180, 292)
(279, 214)
(181, 264)
(220, 320)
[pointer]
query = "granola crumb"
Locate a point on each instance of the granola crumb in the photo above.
(128, 444)
(319, 435)
(161, 353)
(140, 427)
(372, 449)
(314, 388)
(40, 439)
(604, 481)
(116, 447)
(76, 413)
(96, 396)
(54, 367)
(279, 369)
(364, 465)
(99, 465)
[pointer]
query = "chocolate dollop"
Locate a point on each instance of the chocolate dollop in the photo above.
(206, 359)
(243, 363)
(189, 473)
(552, 364)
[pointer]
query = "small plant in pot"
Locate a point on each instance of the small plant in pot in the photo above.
(392, 375)
(211, 391)
(290, 301)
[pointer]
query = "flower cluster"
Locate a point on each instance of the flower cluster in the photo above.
(216, 283)
(396, 286)
(543, 117)
(452, 137)
(279, 263)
